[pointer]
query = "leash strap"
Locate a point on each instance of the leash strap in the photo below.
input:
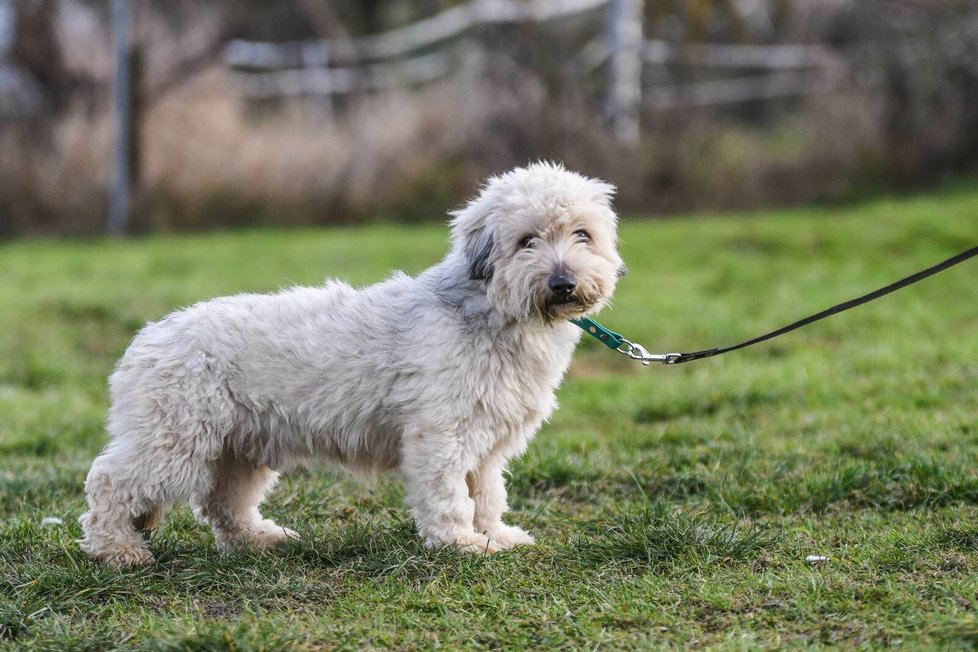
(635, 351)
(608, 337)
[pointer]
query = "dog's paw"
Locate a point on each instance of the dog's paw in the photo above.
(510, 536)
(268, 533)
(128, 558)
(472, 542)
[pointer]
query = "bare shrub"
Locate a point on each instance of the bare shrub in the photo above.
(55, 183)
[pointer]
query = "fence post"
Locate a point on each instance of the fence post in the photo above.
(625, 35)
(315, 58)
(122, 104)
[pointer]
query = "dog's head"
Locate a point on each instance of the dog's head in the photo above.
(543, 240)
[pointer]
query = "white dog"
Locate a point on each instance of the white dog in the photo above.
(445, 376)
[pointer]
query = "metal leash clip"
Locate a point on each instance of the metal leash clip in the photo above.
(636, 351)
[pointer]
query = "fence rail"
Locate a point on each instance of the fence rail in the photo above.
(715, 55)
(738, 89)
(341, 81)
(428, 32)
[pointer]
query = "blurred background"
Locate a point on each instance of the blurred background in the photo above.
(206, 114)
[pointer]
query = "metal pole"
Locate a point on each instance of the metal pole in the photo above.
(6, 27)
(122, 103)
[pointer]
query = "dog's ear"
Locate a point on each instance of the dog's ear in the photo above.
(472, 235)
(479, 252)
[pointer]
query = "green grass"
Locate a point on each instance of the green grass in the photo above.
(673, 506)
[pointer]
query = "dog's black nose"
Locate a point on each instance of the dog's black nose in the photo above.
(562, 285)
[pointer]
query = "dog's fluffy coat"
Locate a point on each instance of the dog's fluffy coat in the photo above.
(445, 376)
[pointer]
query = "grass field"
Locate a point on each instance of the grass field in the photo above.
(673, 506)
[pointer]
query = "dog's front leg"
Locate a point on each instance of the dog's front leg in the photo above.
(434, 471)
(487, 487)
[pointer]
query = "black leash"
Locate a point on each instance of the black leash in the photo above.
(635, 351)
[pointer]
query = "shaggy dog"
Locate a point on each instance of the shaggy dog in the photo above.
(445, 376)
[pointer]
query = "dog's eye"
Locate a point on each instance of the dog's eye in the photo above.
(527, 242)
(583, 235)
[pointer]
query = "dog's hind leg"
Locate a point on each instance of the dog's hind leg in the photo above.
(231, 506)
(133, 482)
(118, 501)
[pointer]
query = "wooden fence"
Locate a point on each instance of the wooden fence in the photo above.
(324, 68)
(426, 50)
